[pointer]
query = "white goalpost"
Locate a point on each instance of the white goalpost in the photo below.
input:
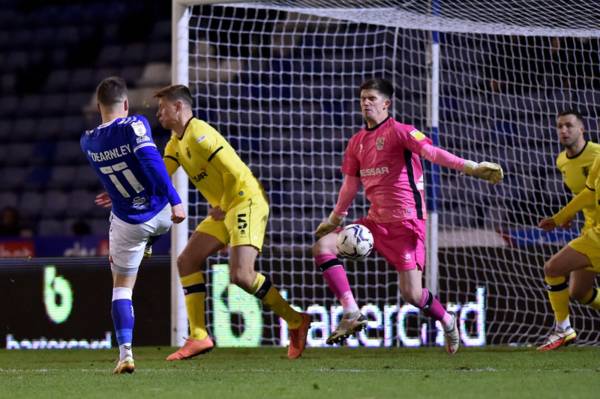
(484, 80)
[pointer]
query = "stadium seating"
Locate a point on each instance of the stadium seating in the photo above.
(54, 55)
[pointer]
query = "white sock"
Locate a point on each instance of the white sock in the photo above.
(565, 324)
(351, 315)
(125, 351)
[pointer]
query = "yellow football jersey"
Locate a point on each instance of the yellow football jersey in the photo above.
(575, 171)
(588, 242)
(593, 183)
(212, 165)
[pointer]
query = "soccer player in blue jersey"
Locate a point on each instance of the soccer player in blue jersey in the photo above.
(144, 201)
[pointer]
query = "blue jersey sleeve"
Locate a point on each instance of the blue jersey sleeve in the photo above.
(140, 137)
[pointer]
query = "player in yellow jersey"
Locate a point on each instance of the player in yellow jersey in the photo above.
(238, 218)
(573, 261)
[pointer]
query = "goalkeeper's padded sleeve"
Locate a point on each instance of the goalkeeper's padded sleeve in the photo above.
(584, 199)
(442, 157)
(348, 191)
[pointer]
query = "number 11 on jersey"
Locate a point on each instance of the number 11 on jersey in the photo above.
(126, 172)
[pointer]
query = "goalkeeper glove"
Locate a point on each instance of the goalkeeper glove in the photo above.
(489, 171)
(328, 225)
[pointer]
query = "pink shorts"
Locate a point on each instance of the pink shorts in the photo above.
(402, 244)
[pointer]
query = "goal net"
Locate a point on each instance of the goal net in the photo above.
(280, 81)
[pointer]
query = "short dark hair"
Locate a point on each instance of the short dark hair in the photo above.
(381, 85)
(111, 91)
(176, 92)
(573, 112)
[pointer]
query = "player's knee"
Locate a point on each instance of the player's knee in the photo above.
(550, 269)
(316, 249)
(241, 278)
(186, 265)
(181, 263)
(411, 296)
(576, 293)
(323, 246)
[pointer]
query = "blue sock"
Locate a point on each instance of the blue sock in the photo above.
(122, 315)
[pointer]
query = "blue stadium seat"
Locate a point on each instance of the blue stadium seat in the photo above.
(21, 38)
(82, 79)
(131, 74)
(161, 32)
(50, 127)
(100, 226)
(8, 83)
(55, 203)
(73, 127)
(134, 54)
(6, 135)
(30, 105)
(76, 102)
(110, 34)
(69, 153)
(43, 37)
(18, 154)
(15, 60)
(67, 35)
(8, 106)
(51, 227)
(85, 177)
(110, 56)
(25, 129)
(102, 73)
(63, 177)
(57, 80)
(13, 177)
(8, 198)
(31, 204)
(54, 105)
(81, 203)
(37, 177)
(59, 56)
(159, 51)
(43, 152)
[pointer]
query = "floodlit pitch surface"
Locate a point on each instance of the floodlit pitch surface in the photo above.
(493, 372)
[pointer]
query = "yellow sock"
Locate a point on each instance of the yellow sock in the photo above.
(264, 290)
(592, 299)
(558, 294)
(194, 290)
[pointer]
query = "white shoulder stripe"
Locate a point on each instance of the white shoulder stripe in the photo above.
(137, 147)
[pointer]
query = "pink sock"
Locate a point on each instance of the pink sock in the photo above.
(432, 307)
(335, 275)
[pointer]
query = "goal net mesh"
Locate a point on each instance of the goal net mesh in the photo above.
(280, 81)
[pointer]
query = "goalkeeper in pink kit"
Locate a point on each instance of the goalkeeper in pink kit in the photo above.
(385, 157)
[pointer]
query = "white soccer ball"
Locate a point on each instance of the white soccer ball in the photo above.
(355, 241)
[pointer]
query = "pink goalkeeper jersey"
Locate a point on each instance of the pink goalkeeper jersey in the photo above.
(386, 158)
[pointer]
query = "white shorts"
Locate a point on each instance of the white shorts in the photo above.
(127, 241)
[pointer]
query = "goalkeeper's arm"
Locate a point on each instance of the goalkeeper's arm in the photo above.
(348, 191)
(489, 171)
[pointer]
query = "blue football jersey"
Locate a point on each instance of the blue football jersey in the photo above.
(125, 158)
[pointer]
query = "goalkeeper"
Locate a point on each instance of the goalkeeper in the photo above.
(385, 156)
(238, 218)
(570, 273)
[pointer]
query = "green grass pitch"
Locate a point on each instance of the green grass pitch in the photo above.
(492, 372)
